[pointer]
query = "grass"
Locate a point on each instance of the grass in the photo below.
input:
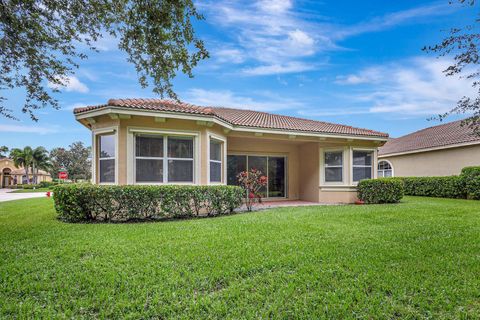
(417, 259)
(32, 190)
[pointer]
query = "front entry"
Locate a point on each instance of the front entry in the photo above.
(6, 177)
(274, 167)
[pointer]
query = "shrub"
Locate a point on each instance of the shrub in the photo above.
(440, 187)
(383, 190)
(47, 184)
(471, 178)
(252, 182)
(87, 202)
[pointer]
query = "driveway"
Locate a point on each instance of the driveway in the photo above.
(7, 195)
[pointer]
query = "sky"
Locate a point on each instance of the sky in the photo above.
(357, 63)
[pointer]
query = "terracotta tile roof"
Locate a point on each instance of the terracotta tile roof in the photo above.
(443, 135)
(238, 117)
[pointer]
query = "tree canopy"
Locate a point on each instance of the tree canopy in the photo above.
(462, 43)
(43, 41)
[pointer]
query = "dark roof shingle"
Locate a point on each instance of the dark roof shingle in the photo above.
(443, 135)
(238, 117)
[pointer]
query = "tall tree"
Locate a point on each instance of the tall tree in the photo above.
(75, 159)
(462, 43)
(3, 151)
(23, 158)
(41, 42)
(40, 160)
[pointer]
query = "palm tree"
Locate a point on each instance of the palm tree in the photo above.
(40, 160)
(22, 158)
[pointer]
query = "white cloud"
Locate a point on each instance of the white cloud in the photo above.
(289, 67)
(227, 98)
(229, 55)
(69, 84)
(414, 87)
(277, 6)
(27, 129)
(78, 105)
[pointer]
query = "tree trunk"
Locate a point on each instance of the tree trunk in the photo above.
(26, 173)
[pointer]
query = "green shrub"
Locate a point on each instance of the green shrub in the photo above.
(439, 187)
(47, 184)
(471, 178)
(30, 186)
(383, 190)
(87, 202)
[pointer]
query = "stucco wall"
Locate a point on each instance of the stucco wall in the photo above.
(309, 172)
(444, 162)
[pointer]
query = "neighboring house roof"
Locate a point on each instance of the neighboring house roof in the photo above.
(22, 171)
(237, 117)
(442, 136)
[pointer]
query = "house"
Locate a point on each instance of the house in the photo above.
(152, 141)
(12, 176)
(441, 150)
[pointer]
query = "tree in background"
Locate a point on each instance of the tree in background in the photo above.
(3, 151)
(40, 161)
(23, 158)
(75, 159)
(463, 44)
(43, 41)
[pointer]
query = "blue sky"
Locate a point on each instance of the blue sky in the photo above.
(352, 62)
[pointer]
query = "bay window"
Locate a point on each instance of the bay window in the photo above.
(163, 159)
(362, 165)
(215, 160)
(333, 168)
(106, 158)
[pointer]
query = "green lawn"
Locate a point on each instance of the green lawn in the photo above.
(417, 259)
(32, 190)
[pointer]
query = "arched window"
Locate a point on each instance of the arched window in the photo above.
(385, 169)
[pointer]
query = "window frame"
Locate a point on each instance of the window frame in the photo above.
(132, 132)
(96, 133)
(391, 166)
(323, 166)
(373, 166)
(222, 161)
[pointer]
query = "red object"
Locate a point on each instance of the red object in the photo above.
(359, 202)
(48, 194)
(63, 175)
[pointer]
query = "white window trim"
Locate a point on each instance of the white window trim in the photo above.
(344, 151)
(223, 162)
(374, 163)
(391, 166)
(131, 174)
(95, 133)
(274, 155)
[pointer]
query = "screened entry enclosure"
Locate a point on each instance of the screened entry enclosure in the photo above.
(273, 167)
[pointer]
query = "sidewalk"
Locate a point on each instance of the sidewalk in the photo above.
(6, 195)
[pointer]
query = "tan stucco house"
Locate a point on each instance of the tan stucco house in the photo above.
(152, 141)
(441, 150)
(12, 176)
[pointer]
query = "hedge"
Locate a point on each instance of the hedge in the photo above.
(382, 190)
(87, 202)
(440, 187)
(471, 177)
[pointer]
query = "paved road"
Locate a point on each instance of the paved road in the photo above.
(6, 195)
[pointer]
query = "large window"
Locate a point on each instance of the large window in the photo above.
(274, 167)
(215, 160)
(333, 166)
(362, 165)
(106, 158)
(385, 169)
(162, 159)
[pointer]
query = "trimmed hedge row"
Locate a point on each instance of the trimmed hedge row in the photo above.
(87, 202)
(382, 190)
(471, 177)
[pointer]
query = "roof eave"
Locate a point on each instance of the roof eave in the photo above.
(450, 146)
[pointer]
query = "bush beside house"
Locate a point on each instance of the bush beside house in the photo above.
(383, 190)
(439, 187)
(86, 202)
(471, 177)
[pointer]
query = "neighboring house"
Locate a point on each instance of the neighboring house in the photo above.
(441, 150)
(152, 141)
(11, 175)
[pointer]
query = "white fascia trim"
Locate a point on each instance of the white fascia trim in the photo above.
(458, 145)
(176, 115)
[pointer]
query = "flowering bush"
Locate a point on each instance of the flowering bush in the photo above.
(252, 181)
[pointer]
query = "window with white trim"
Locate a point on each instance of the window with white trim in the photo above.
(384, 169)
(362, 165)
(333, 168)
(163, 159)
(106, 158)
(216, 160)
